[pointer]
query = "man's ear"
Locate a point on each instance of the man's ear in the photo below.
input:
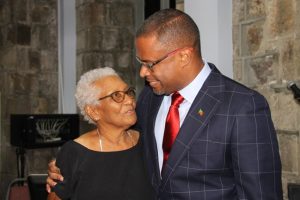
(185, 56)
(92, 112)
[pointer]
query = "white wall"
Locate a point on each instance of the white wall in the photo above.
(66, 56)
(214, 19)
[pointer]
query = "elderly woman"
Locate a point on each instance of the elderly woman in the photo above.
(105, 163)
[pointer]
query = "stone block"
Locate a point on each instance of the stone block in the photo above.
(91, 60)
(92, 14)
(296, 56)
(286, 111)
(53, 105)
(9, 58)
(79, 65)
(23, 34)
(289, 156)
(20, 105)
(288, 51)
(252, 36)
(298, 115)
(236, 32)
(273, 104)
(126, 39)
(4, 113)
(124, 59)
(43, 13)
(40, 105)
(122, 14)
(261, 69)
(49, 61)
(109, 60)
(48, 85)
(2, 37)
(238, 11)
(49, 37)
(289, 70)
(3, 76)
(80, 2)
(110, 39)
(93, 38)
(129, 75)
(238, 70)
(23, 83)
(11, 34)
(82, 39)
(34, 58)
(22, 58)
(20, 10)
(44, 37)
(255, 9)
(44, 2)
(5, 137)
(8, 154)
(5, 13)
(282, 15)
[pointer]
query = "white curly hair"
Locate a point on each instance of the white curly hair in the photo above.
(86, 93)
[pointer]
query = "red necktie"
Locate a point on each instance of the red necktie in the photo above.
(172, 125)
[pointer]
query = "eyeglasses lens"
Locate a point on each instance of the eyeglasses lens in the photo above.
(119, 96)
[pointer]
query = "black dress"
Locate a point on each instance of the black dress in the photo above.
(96, 175)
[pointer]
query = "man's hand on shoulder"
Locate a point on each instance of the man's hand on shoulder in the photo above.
(54, 175)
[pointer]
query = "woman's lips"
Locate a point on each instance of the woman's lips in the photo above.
(131, 111)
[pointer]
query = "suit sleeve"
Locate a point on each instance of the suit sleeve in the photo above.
(255, 153)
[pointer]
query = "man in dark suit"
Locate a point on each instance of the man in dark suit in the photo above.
(226, 147)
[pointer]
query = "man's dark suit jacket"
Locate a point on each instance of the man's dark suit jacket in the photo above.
(226, 148)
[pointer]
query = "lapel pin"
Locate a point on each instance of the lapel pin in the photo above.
(200, 112)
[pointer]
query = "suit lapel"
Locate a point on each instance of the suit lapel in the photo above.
(202, 109)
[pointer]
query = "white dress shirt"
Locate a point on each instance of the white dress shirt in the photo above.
(188, 93)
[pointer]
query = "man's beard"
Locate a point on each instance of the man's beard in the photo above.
(158, 92)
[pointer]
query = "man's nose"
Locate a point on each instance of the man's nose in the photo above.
(144, 71)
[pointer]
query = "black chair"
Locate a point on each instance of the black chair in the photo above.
(37, 186)
(293, 191)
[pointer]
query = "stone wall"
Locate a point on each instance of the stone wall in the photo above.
(28, 76)
(105, 36)
(266, 57)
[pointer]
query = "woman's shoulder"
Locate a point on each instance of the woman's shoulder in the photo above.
(75, 147)
(69, 152)
(87, 140)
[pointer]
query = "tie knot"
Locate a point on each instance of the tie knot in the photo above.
(177, 99)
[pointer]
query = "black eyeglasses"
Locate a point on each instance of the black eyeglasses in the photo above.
(150, 65)
(119, 96)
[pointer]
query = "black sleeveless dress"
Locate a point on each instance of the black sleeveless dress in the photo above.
(96, 175)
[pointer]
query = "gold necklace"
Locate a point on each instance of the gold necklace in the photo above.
(100, 140)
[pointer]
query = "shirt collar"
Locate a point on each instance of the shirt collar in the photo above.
(191, 90)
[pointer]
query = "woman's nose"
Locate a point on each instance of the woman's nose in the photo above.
(129, 99)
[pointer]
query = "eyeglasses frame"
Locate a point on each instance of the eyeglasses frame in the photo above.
(150, 65)
(123, 92)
